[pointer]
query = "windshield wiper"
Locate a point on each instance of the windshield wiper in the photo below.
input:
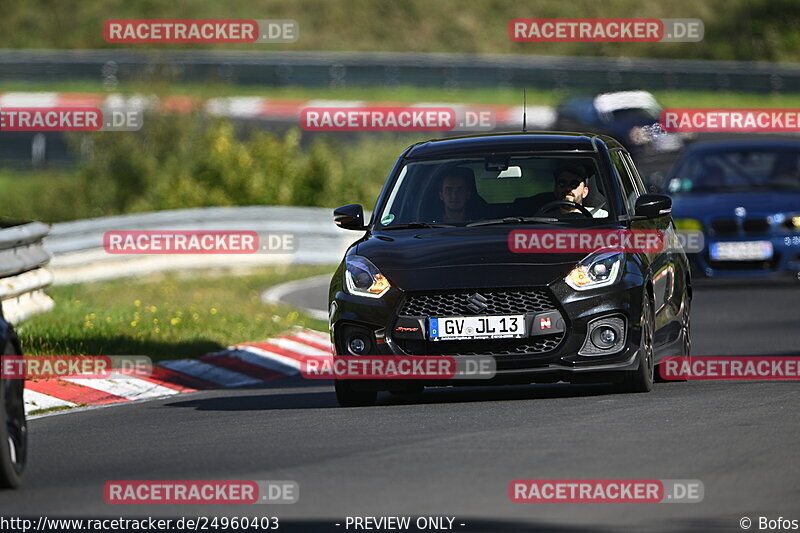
(411, 225)
(515, 220)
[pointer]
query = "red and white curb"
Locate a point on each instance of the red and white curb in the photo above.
(255, 107)
(238, 366)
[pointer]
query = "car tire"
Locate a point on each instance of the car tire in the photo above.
(349, 397)
(641, 379)
(686, 329)
(686, 340)
(13, 428)
(408, 390)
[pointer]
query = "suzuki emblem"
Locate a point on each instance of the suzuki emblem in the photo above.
(477, 303)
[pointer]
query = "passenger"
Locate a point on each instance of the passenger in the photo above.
(455, 192)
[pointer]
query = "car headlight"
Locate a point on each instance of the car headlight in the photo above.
(796, 221)
(362, 278)
(596, 270)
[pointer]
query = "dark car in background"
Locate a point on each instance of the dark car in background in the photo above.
(745, 197)
(632, 117)
(604, 316)
(14, 428)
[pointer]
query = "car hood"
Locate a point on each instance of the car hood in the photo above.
(704, 205)
(460, 258)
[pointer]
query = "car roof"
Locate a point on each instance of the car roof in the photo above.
(616, 101)
(540, 141)
(733, 145)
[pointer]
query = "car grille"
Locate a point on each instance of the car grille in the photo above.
(494, 302)
(498, 302)
(771, 264)
(729, 226)
(527, 346)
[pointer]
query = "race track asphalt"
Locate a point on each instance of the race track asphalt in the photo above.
(454, 451)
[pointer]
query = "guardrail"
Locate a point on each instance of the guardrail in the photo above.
(23, 276)
(340, 69)
(79, 256)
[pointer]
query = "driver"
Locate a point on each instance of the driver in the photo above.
(570, 185)
(455, 193)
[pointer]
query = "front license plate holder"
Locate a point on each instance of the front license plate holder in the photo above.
(477, 327)
(741, 251)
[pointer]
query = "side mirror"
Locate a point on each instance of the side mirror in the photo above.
(653, 205)
(349, 216)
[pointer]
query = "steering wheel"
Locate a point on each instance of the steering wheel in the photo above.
(563, 203)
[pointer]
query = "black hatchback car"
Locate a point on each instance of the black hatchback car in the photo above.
(435, 272)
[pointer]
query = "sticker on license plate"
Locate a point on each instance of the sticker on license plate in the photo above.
(741, 251)
(476, 327)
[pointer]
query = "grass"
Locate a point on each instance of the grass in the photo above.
(48, 410)
(46, 195)
(404, 94)
(734, 29)
(165, 316)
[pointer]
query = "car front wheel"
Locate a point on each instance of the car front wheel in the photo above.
(13, 430)
(349, 397)
(641, 379)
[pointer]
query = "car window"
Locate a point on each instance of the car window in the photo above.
(503, 191)
(465, 190)
(744, 169)
(634, 172)
(626, 182)
(635, 115)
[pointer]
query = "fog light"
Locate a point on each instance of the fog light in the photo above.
(357, 345)
(607, 336)
(604, 336)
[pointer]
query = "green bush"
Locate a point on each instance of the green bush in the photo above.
(193, 161)
(46, 195)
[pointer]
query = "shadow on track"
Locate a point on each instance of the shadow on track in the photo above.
(316, 399)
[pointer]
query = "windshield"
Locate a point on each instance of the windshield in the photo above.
(636, 115)
(466, 191)
(737, 170)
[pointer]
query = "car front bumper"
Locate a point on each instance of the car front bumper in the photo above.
(562, 358)
(784, 263)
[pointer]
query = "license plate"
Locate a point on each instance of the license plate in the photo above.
(741, 251)
(476, 327)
